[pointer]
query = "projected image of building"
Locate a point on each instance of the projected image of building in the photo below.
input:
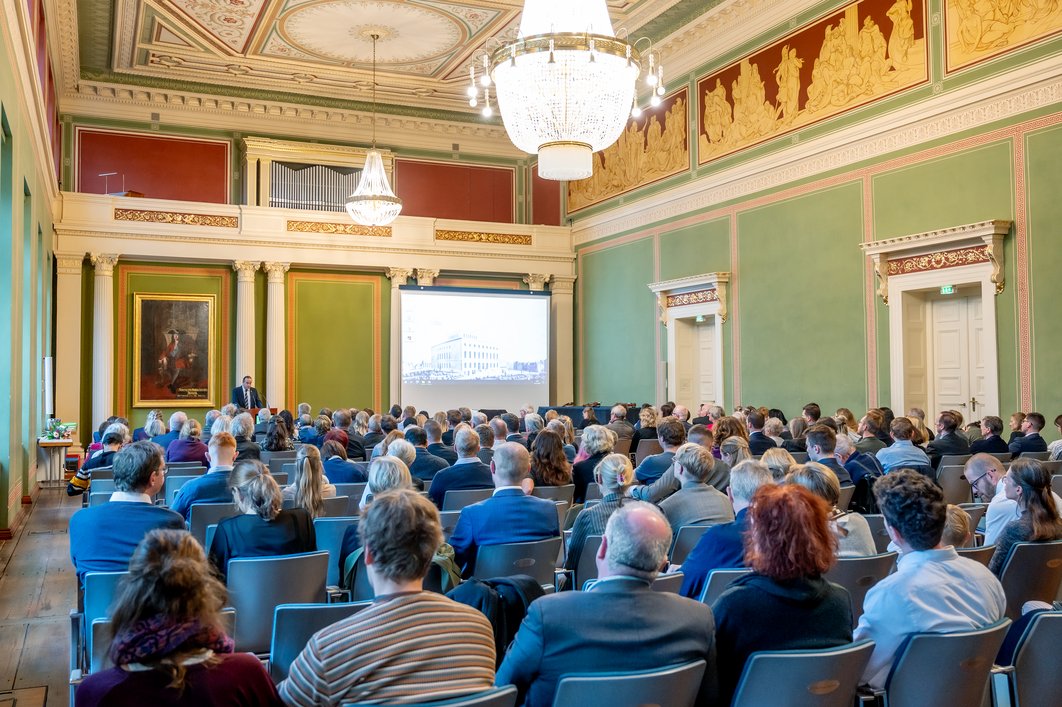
(464, 354)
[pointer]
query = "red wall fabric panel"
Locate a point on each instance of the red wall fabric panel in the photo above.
(456, 191)
(545, 200)
(157, 167)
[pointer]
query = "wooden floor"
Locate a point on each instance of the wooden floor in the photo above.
(37, 592)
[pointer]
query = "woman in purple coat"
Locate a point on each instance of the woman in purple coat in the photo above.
(188, 447)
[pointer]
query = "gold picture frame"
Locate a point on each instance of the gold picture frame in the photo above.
(174, 344)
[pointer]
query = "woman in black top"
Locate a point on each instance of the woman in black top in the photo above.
(262, 529)
(598, 442)
(647, 430)
(589, 418)
(1028, 484)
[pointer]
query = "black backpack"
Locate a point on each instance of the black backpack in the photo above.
(503, 600)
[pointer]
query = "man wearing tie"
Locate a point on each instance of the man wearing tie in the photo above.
(246, 396)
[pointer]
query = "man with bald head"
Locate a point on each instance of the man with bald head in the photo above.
(985, 475)
(509, 516)
(619, 623)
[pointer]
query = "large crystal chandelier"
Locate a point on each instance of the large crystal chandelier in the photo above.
(373, 203)
(566, 86)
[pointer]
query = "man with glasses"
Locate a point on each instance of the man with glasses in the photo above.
(985, 475)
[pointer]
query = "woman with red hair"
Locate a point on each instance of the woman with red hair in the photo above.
(785, 603)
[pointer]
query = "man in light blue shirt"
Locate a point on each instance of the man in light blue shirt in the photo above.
(902, 453)
(933, 590)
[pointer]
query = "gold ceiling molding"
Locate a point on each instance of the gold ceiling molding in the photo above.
(481, 237)
(697, 297)
(939, 261)
(176, 217)
(344, 229)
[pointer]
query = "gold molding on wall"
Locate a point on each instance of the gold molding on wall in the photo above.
(482, 237)
(346, 229)
(176, 217)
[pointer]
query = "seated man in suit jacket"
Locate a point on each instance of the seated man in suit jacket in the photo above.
(671, 435)
(822, 445)
(436, 445)
(620, 623)
(758, 442)
(426, 465)
(991, 441)
(246, 396)
(468, 472)
(1032, 441)
(510, 516)
(949, 439)
(695, 503)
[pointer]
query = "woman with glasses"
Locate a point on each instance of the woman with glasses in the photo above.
(1027, 483)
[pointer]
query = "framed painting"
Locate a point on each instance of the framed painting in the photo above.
(174, 350)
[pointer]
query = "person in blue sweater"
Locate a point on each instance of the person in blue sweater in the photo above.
(213, 486)
(103, 538)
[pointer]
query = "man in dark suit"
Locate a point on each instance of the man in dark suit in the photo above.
(468, 472)
(758, 442)
(341, 421)
(620, 623)
(486, 443)
(453, 419)
(869, 428)
(618, 423)
(1032, 441)
(177, 421)
(949, 440)
(822, 442)
(246, 396)
(991, 441)
(671, 435)
(702, 415)
(510, 516)
(426, 465)
(512, 429)
(435, 444)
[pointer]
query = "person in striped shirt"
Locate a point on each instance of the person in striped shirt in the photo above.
(410, 645)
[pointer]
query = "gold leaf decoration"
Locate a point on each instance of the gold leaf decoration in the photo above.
(345, 229)
(481, 237)
(697, 297)
(939, 261)
(176, 217)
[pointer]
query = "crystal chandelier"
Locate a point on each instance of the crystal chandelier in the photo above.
(373, 203)
(566, 86)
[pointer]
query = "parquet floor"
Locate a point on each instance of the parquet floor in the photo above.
(37, 592)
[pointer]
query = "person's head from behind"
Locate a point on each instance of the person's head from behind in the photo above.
(263, 415)
(755, 421)
(914, 508)
(991, 425)
(387, 473)
(418, 436)
(176, 420)
(647, 416)
(901, 429)
(772, 427)
(821, 442)
(818, 479)
(619, 413)
(533, 422)
(254, 490)
(636, 542)
(120, 428)
(727, 427)
(191, 429)
(693, 464)
(745, 479)
(598, 439)
(401, 532)
(670, 433)
(222, 449)
(614, 474)
(872, 424)
(242, 425)
(308, 479)
(735, 450)
(512, 423)
(392, 436)
(510, 464)
(779, 461)
(548, 460)
(789, 535)
(401, 449)
(843, 449)
(1028, 482)
(139, 468)
(432, 433)
(958, 528)
(466, 443)
(947, 422)
(486, 436)
(700, 434)
(332, 448)
(170, 585)
(156, 428)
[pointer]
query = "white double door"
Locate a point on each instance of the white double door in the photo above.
(957, 357)
(695, 359)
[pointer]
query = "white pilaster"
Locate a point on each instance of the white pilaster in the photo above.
(398, 277)
(275, 352)
(426, 276)
(245, 333)
(68, 342)
(562, 339)
(102, 338)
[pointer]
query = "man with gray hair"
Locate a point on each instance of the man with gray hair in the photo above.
(262, 421)
(695, 503)
(208, 422)
(609, 624)
(509, 516)
(856, 463)
(532, 426)
(242, 429)
(618, 423)
(468, 472)
(682, 414)
(723, 546)
(177, 421)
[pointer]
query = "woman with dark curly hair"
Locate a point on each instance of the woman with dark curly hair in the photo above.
(549, 466)
(785, 603)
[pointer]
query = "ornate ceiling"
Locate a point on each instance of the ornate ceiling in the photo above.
(318, 50)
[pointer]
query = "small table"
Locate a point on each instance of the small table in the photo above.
(54, 453)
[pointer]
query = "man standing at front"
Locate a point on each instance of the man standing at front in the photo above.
(246, 396)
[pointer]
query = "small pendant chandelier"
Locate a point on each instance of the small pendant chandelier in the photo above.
(373, 203)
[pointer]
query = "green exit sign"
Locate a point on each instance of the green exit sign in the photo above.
(947, 289)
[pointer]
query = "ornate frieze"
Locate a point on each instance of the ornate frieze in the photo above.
(481, 237)
(176, 217)
(345, 229)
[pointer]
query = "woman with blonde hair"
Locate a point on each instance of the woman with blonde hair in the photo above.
(309, 485)
(921, 436)
(773, 428)
(188, 447)
(734, 450)
(852, 531)
(262, 528)
(648, 419)
(598, 442)
(385, 473)
(614, 474)
(222, 423)
(844, 417)
(169, 645)
(779, 461)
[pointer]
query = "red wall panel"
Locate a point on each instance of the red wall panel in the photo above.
(158, 167)
(545, 200)
(455, 191)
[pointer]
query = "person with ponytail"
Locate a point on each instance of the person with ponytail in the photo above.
(169, 648)
(261, 529)
(1028, 483)
(614, 474)
(309, 486)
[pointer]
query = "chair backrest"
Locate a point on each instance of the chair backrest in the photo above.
(976, 511)
(685, 540)
(98, 499)
(556, 493)
(978, 554)
(674, 686)
(102, 486)
(800, 457)
(924, 470)
(281, 477)
(587, 567)
(623, 446)
(845, 500)
(1004, 457)
(449, 522)
(172, 485)
(277, 460)
(351, 491)
(100, 589)
(717, 582)
(330, 533)
(537, 559)
(335, 507)
(956, 487)
(1036, 674)
(593, 491)
(944, 668)
(294, 624)
(1056, 484)
(953, 460)
(819, 678)
(185, 465)
(571, 515)
(496, 697)
(668, 583)
(361, 589)
(200, 515)
(1041, 456)
(455, 500)
(288, 467)
(1054, 467)
(859, 574)
(646, 448)
(209, 537)
(876, 521)
(1032, 572)
(258, 584)
(102, 472)
(100, 640)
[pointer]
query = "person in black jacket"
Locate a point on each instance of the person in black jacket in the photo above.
(597, 444)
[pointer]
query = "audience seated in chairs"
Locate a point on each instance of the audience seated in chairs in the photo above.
(695, 503)
(614, 475)
(262, 528)
(785, 603)
(902, 453)
(563, 427)
(113, 438)
(598, 442)
(549, 466)
(605, 629)
(436, 446)
(411, 644)
(1028, 484)
(671, 434)
(188, 447)
(933, 588)
(243, 430)
(169, 646)
(851, 530)
(177, 421)
(337, 467)
(648, 419)
(102, 538)
(468, 472)
(213, 486)
(309, 486)
(385, 474)
(426, 465)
